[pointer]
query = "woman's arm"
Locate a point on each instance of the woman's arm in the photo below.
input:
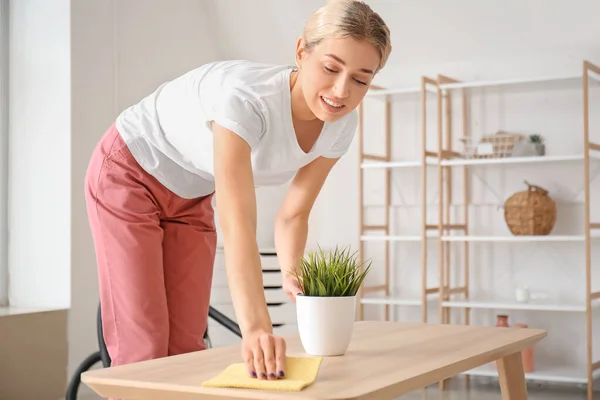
(236, 207)
(291, 225)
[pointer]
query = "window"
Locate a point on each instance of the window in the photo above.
(4, 152)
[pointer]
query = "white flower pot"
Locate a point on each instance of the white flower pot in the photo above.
(325, 324)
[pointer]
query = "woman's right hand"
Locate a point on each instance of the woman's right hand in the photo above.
(264, 355)
(291, 286)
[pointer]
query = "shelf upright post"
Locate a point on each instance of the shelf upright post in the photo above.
(388, 198)
(424, 81)
(589, 295)
(448, 185)
(466, 202)
(361, 245)
(361, 221)
(440, 170)
(425, 291)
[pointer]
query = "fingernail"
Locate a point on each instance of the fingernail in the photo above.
(253, 373)
(272, 375)
(280, 373)
(262, 375)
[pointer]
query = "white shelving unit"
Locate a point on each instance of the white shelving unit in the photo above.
(562, 374)
(442, 233)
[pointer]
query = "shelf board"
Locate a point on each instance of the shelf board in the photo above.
(514, 238)
(482, 238)
(393, 238)
(398, 91)
(397, 300)
(519, 160)
(562, 374)
(518, 81)
(480, 161)
(393, 300)
(390, 164)
(575, 78)
(532, 305)
(387, 92)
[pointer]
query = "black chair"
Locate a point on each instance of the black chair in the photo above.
(102, 354)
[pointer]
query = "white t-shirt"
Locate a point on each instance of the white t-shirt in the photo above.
(169, 132)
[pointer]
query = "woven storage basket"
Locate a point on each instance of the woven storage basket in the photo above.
(500, 144)
(530, 212)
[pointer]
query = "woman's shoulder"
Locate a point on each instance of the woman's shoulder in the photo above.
(241, 80)
(244, 75)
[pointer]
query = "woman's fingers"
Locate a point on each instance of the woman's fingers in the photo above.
(291, 287)
(248, 357)
(264, 356)
(268, 348)
(280, 350)
(259, 363)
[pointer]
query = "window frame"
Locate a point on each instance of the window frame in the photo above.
(4, 128)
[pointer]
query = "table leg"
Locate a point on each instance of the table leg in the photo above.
(512, 377)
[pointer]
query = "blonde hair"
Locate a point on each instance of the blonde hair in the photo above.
(348, 18)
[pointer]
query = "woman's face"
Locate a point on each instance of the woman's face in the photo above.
(336, 75)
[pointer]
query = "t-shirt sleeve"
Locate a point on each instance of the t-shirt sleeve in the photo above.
(240, 113)
(343, 142)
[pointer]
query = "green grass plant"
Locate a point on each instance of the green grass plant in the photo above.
(336, 273)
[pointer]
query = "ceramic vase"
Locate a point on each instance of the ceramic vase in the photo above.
(502, 321)
(540, 149)
(325, 324)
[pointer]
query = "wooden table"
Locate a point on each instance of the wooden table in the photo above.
(385, 360)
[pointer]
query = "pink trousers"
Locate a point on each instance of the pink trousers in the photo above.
(155, 253)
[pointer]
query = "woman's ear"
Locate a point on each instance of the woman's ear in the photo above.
(300, 51)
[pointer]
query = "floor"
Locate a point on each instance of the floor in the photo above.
(485, 389)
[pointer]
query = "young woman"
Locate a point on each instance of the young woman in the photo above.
(222, 129)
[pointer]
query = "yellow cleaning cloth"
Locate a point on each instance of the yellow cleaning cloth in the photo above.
(300, 372)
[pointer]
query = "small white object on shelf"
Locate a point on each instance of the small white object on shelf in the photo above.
(522, 294)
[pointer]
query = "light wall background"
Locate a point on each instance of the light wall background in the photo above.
(74, 65)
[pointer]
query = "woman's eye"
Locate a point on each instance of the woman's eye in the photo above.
(334, 71)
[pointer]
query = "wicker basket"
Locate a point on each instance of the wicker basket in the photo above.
(530, 212)
(498, 145)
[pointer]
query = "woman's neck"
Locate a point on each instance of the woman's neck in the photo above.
(300, 110)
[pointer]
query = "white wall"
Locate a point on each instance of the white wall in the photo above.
(39, 154)
(118, 51)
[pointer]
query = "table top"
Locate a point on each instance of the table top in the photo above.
(384, 360)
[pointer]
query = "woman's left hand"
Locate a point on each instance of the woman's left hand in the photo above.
(291, 287)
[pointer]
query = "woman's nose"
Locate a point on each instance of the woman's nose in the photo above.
(340, 89)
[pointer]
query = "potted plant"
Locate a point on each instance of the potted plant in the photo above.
(538, 144)
(326, 307)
